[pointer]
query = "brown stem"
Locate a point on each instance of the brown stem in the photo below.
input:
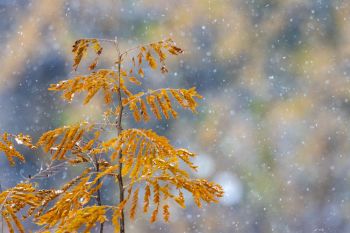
(119, 130)
(2, 217)
(98, 198)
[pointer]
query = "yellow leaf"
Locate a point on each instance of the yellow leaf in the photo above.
(141, 73)
(180, 200)
(154, 214)
(134, 204)
(135, 81)
(146, 198)
(144, 110)
(154, 108)
(151, 61)
(166, 213)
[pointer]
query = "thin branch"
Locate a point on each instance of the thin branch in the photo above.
(50, 170)
(115, 42)
(99, 195)
(99, 39)
(119, 130)
(2, 217)
(139, 46)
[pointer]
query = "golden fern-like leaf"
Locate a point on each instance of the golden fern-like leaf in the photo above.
(159, 48)
(158, 148)
(7, 146)
(159, 102)
(87, 216)
(151, 100)
(201, 189)
(102, 79)
(134, 204)
(80, 49)
(146, 198)
(15, 199)
(18, 224)
(8, 223)
(156, 197)
(69, 202)
(158, 156)
(70, 138)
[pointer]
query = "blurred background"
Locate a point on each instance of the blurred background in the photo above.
(273, 128)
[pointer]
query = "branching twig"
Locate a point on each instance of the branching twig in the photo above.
(50, 170)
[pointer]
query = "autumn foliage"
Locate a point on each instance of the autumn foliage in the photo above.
(139, 161)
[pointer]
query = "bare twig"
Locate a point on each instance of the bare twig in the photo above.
(50, 170)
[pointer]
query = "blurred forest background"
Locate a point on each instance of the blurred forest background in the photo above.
(273, 128)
